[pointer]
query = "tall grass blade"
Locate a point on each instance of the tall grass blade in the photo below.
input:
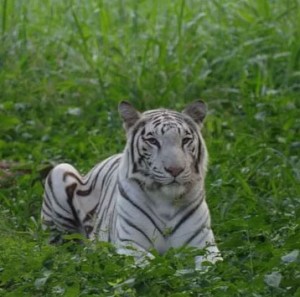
(4, 14)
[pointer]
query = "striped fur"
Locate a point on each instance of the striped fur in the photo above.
(150, 196)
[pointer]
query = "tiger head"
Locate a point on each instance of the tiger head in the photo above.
(165, 148)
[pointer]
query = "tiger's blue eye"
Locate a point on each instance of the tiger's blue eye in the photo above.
(186, 140)
(152, 141)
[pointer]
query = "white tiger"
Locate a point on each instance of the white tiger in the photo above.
(150, 196)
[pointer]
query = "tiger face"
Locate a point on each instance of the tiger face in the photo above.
(165, 147)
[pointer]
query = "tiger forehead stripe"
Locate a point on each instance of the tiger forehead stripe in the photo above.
(162, 113)
(170, 125)
(166, 120)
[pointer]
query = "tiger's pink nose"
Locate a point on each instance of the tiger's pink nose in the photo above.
(173, 170)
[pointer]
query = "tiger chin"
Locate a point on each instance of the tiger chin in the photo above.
(151, 196)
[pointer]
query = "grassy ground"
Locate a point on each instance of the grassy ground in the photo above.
(64, 65)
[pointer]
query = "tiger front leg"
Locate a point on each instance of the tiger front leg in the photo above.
(58, 212)
(211, 251)
(129, 241)
(140, 255)
(211, 255)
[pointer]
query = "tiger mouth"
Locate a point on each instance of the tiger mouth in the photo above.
(171, 182)
(174, 182)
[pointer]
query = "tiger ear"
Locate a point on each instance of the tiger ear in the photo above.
(128, 114)
(196, 110)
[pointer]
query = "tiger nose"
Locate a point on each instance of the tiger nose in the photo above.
(173, 170)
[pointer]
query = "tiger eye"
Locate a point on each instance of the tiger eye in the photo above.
(152, 141)
(186, 140)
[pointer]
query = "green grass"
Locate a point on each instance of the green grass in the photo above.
(241, 57)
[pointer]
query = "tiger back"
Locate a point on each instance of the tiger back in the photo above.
(151, 196)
